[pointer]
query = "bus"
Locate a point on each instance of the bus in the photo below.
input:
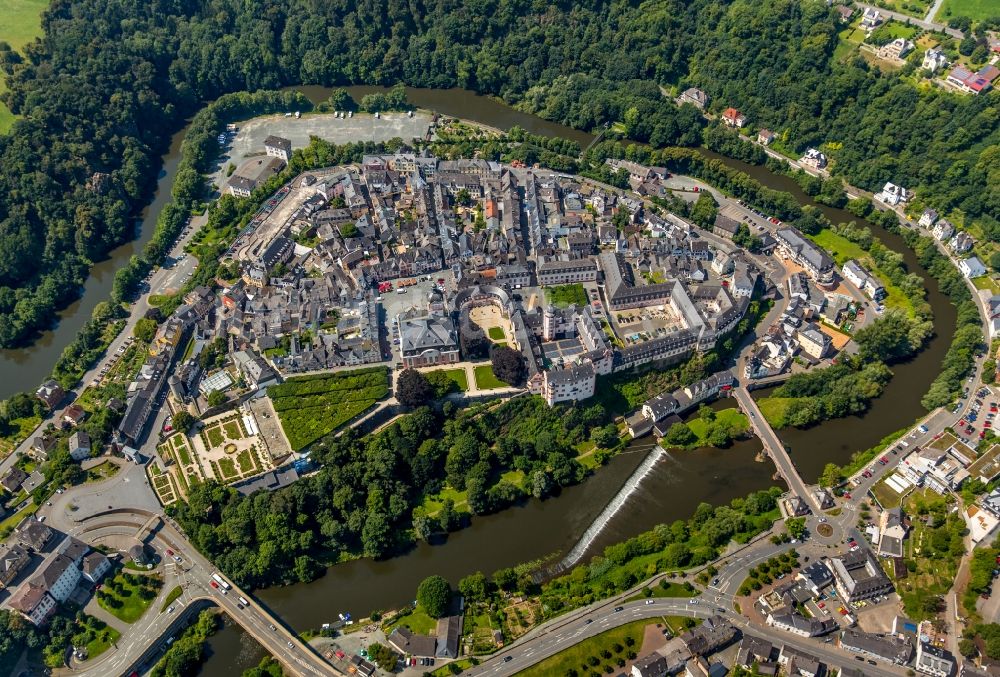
(221, 581)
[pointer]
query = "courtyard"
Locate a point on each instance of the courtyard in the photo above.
(643, 324)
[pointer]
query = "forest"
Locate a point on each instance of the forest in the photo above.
(101, 93)
(367, 498)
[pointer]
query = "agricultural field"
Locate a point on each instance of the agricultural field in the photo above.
(22, 23)
(977, 10)
(310, 407)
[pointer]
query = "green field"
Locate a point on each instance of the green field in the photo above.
(732, 419)
(497, 334)
(839, 247)
(417, 621)
(666, 588)
(486, 379)
(976, 10)
(22, 23)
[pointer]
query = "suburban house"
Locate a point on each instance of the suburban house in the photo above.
(95, 566)
(892, 194)
(813, 158)
(961, 242)
(33, 603)
(934, 661)
(891, 533)
(897, 49)
(73, 415)
(942, 230)
(972, 267)
(733, 118)
(50, 393)
(14, 478)
(695, 97)
(79, 445)
(934, 60)
(42, 446)
(928, 218)
(765, 137)
(972, 83)
(275, 146)
(870, 19)
(650, 665)
(846, 13)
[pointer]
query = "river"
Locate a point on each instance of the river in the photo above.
(670, 491)
(24, 369)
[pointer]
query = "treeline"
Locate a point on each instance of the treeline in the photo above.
(368, 498)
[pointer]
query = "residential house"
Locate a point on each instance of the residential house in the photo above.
(936, 469)
(933, 661)
(58, 576)
(815, 577)
(765, 137)
(34, 603)
(733, 118)
(813, 158)
(859, 276)
(650, 665)
(928, 218)
(797, 624)
(870, 19)
(961, 242)
(449, 635)
(32, 534)
(895, 50)
(79, 445)
(13, 479)
(981, 523)
(814, 342)
(43, 445)
(50, 393)
(934, 60)
(13, 558)
(942, 230)
(972, 267)
(713, 634)
(73, 415)
(891, 533)
(753, 650)
(892, 195)
(993, 308)
(695, 97)
(846, 13)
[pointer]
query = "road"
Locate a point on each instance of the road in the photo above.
(166, 279)
(775, 448)
(925, 23)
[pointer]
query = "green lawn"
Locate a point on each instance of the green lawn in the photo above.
(671, 589)
(897, 29)
(245, 461)
(458, 376)
(974, 9)
(564, 295)
(232, 429)
(497, 334)
(577, 657)
(417, 621)
(775, 409)
(986, 282)
(886, 495)
(486, 379)
(22, 23)
(137, 592)
(840, 248)
(228, 468)
(461, 665)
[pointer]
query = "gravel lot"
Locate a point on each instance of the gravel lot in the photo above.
(362, 127)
